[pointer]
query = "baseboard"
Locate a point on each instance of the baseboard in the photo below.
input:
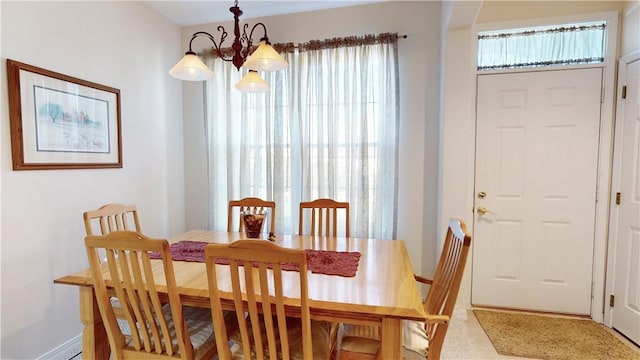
(67, 351)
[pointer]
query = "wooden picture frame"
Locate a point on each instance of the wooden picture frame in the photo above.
(61, 122)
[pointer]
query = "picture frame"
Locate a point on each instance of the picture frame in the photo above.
(61, 122)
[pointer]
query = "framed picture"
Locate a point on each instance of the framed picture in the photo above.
(61, 122)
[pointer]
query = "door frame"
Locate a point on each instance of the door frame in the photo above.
(615, 186)
(451, 204)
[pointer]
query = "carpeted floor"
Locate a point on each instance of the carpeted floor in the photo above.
(550, 337)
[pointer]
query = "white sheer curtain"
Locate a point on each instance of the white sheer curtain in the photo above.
(542, 46)
(327, 128)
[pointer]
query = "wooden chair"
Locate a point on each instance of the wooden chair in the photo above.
(422, 339)
(253, 205)
(112, 217)
(108, 218)
(324, 217)
(266, 332)
(160, 331)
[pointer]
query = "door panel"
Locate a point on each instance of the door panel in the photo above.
(536, 160)
(626, 285)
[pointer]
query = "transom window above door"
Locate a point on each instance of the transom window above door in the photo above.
(552, 45)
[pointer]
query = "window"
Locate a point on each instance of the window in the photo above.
(567, 44)
(328, 128)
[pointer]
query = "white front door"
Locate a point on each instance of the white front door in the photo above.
(536, 175)
(626, 278)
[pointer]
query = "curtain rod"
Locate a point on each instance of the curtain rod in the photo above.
(283, 46)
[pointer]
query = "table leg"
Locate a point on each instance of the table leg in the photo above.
(391, 338)
(94, 335)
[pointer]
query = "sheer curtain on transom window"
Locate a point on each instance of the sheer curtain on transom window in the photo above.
(556, 45)
(328, 128)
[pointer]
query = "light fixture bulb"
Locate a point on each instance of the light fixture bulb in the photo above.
(265, 58)
(252, 83)
(191, 68)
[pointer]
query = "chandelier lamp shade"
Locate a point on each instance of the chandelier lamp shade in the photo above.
(263, 58)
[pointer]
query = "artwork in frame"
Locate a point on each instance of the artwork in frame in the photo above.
(61, 122)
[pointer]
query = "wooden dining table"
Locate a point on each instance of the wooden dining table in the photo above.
(383, 291)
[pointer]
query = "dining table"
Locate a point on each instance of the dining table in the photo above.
(382, 292)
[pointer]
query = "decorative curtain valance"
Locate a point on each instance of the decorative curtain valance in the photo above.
(384, 38)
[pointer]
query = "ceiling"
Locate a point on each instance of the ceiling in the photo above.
(187, 13)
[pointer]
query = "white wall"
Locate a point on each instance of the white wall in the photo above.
(630, 27)
(457, 128)
(419, 61)
(123, 45)
(497, 11)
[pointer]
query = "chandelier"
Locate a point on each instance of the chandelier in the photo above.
(264, 58)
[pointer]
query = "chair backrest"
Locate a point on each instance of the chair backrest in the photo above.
(252, 205)
(154, 331)
(263, 260)
(443, 291)
(112, 217)
(324, 217)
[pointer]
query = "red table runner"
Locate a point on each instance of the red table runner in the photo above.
(325, 262)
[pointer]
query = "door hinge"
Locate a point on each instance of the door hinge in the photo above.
(617, 198)
(612, 299)
(624, 91)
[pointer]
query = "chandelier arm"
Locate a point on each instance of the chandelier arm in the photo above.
(264, 28)
(245, 39)
(249, 38)
(223, 35)
(216, 46)
(198, 34)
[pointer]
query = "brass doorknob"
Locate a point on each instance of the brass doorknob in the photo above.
(483, 210)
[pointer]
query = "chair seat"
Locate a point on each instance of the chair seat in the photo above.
(366, 339)
(360, 345)
(322, 332)
(199, 324)
(122, 322)
(324, 336)
(414, 339)
(200, 327)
